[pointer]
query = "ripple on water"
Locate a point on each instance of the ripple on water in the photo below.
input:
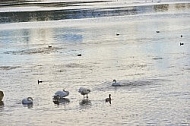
(45, 50)
(126, 84)
(8, 67)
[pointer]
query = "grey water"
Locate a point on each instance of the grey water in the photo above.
(135, 42)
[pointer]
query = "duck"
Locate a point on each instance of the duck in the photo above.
(61, 94)
(181, 43)
(84, 91)
(117, 34)
(108, 99)
(79, 54)
(40, 81)
(49, 46)
(115, 83)
(28, 100)
(1, 95)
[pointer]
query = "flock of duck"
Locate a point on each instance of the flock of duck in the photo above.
(59, 96)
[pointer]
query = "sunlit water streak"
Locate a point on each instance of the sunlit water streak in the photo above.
(153, 68)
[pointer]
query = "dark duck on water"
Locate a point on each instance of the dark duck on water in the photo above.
(108, 99)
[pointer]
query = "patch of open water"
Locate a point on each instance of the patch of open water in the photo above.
(152, 65)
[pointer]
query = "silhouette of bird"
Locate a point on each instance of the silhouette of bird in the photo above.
(108, 99)
(181, 43)
(117, 34)
(79, 54)
(40, 81)
(1, 95)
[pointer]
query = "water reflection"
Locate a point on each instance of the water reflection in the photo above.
(28, 105)
(1, 104)
(61, 101)
(41, 36)
(68, 35)
(85, 102)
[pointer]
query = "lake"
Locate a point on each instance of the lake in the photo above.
(73, 44)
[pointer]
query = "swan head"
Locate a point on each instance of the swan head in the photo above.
(109, 95)
(115, 83)
(88, 90)
(66, 91)
(114, 80)
(30, 99)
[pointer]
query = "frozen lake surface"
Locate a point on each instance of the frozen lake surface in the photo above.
(135, 42)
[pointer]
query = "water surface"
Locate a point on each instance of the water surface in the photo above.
(139, 46)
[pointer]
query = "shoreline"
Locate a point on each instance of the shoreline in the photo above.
(79, 13)
(79, 6)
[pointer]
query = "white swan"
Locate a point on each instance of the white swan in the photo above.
(27, 100)
(61, 94)
(115, 83)
(1, 95)
(84, 91)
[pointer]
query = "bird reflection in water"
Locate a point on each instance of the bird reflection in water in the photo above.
(85, 102)
(60, 101)
(28, 105)
(1, 104)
